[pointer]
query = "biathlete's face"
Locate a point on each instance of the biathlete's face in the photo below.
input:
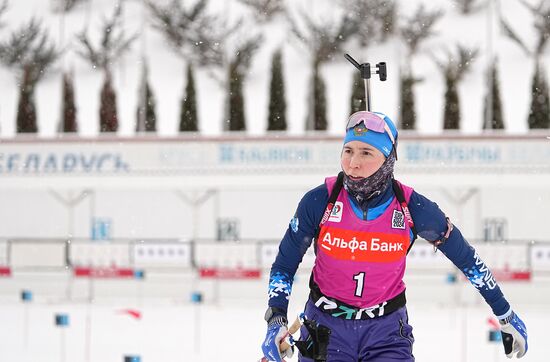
(360, 159)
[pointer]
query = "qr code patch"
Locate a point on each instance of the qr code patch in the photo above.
(398, 220)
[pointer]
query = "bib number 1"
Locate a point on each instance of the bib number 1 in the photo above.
(359, 283)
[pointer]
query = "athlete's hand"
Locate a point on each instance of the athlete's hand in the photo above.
(276, 332)
(514, 336)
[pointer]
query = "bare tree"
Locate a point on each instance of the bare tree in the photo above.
(467, 7)
(373, 20)
(114, 43)
(64, 6)
(31, 53)
(539, 113)
(207, 40)
(3, 8)
(419, 27)
(453, 70)
(323, 39)
(541, 24)
(265, 10)
(194, 34)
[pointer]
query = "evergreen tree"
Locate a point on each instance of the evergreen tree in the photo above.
(276, 120)
(188, 117)
(406, 100)
(150, 114)
(236, 119)
(26, 110)
(539, 112)
(317, 120)
(146, 119)
(68, 113)
(357, 100)
(108, 118)
(238, 68)
(453, 72)
(492, 117)
(451, 114)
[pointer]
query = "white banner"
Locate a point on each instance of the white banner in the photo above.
(289, 155)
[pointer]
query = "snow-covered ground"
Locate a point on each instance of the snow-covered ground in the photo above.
(450, 323)
(167, 70)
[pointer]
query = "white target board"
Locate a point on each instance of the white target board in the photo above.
(162, 254)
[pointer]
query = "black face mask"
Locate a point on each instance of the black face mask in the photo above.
(366, 188)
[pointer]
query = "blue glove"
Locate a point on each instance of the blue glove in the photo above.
(276, 332)
(514, 335)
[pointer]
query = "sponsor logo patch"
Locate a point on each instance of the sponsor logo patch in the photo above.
(336, 214)
(363, 246)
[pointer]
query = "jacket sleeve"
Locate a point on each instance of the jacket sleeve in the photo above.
(431, 224)
(294, 245)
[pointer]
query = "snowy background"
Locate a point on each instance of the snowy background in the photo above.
(449, 320)
(167, 76)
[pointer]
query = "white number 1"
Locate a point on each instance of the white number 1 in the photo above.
(360, 280)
